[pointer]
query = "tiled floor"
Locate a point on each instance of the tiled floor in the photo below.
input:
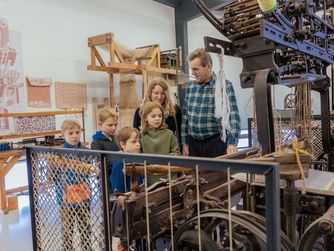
(15, 228)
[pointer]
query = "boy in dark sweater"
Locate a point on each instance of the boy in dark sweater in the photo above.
(128, 140)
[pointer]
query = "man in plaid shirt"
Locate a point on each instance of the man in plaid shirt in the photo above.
(201, 130)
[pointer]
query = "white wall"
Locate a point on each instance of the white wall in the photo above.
(54, 36)
(54, 40)
(200, 27)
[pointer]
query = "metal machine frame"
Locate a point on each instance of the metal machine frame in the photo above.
(306, 49)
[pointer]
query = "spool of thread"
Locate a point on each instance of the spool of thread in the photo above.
(267, 6)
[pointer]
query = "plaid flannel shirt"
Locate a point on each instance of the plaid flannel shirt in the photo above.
(198, 116)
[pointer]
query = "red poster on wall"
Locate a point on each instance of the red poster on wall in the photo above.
(38, 92)
(71, 95)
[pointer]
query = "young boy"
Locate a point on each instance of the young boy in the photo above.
(73, 191)
(104, 140)
(128, 141)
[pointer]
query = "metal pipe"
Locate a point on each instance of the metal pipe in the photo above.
(209, 16)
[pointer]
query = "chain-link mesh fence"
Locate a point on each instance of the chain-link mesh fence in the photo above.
(67, 200)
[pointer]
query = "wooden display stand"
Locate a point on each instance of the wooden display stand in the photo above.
(8, 159)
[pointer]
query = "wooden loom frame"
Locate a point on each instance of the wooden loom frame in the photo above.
(96, 106)
(119, 64)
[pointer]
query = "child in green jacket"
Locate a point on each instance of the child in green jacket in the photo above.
(155, 137)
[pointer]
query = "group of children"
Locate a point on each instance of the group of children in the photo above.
(153, 138)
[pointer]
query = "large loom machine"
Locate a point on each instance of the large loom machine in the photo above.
(292, 46)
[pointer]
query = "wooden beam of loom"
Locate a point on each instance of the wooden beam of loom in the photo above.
(112, 53)
(15, 190)
(96, 106)
(113, 70)
(118, 54)
(37, 114)
(108, 44)
(11, 162)
(32, 134)
(98, 57)
(161, 70)
(144, 53)
(100, 39)
(117, 67)
(57, 161)
(155, 57)
(92, 57)
(154, 169)
(27, 135)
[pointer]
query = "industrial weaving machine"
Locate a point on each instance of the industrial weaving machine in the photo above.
(290, 44)
(270, 197)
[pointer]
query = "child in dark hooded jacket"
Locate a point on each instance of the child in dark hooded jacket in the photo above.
(105, 140)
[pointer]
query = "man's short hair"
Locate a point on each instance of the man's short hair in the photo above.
(69, 124)
(203, 55)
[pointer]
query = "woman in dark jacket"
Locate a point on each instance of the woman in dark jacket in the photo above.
(158, 91)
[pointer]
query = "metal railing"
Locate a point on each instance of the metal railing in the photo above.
(58, 215)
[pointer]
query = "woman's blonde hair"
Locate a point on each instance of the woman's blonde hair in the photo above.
(106, 113)
(125, 134)
(168, 105)
(146, 109)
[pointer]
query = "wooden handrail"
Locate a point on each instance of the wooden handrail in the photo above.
(27, 135)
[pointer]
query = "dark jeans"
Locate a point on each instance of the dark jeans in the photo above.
(210, 147)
